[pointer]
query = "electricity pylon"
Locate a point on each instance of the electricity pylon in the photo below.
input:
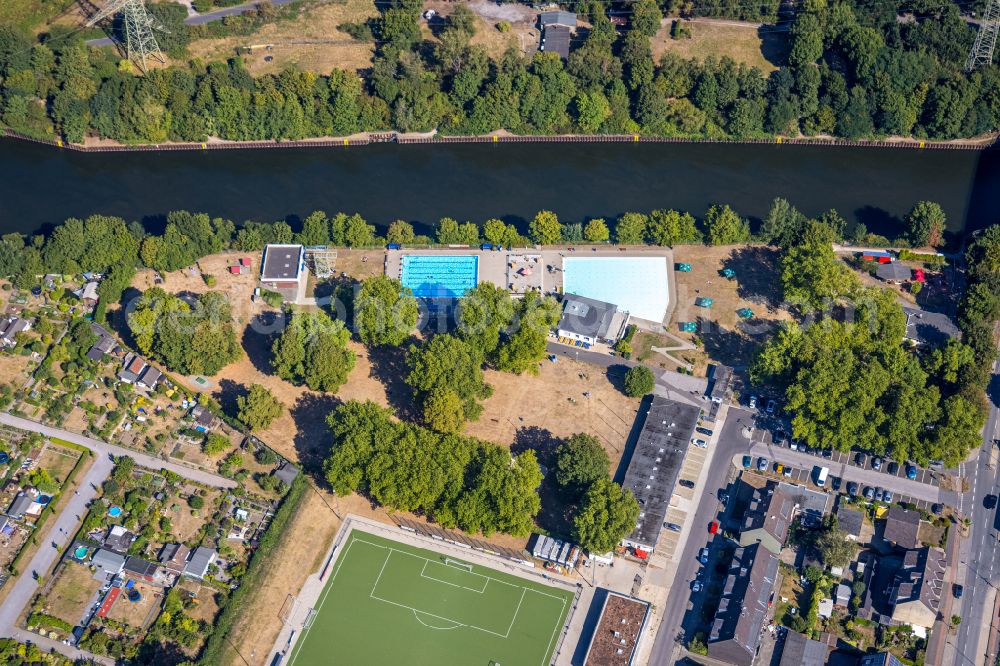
(140, 42)
(986, 39)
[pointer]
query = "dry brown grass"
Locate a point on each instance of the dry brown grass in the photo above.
(742, 43)
(311, 41)
(535, 408)
(71, 593)
(185, 522)
(58, 461)
(724, 337)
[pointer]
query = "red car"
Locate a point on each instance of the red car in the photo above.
(713, 527)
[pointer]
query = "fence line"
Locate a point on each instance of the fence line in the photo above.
(393, 137)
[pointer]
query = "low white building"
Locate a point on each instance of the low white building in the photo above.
(283, 269)
(591, 321)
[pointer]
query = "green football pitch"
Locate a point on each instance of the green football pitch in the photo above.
(390, 603)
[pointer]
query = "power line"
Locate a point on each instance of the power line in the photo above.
(981, 53)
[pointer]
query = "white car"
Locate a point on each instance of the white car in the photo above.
(753, 402)
(700, 443)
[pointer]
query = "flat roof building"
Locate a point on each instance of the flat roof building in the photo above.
(555, 39)
(655, 465)
(929, 328)
(108, 561)
(618, 631)
(283, 269)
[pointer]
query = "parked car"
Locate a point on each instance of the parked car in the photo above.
(779, 437)
(788, 472)
(892, 468)
(724, 497)
(937, 509)
(835, 482)
(686, 483)
(868, 492)
(879, 494)
(793, 445)
(877, 464)
(827, 453)
(713, 527)
(887, 497)
(770, 406)
(704, 431)
(957, 590)
(990, 501)
(673, 527)
(703, 555)
(911, 472)
(700, 443)
(747, 461)
(852, 489)
(761, 464)
(752, 403)
(860, 459)
(696, 586)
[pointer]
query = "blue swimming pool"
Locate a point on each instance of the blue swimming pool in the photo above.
(440, 276)
(637, 285)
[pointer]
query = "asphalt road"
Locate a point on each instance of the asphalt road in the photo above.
(982, 559)
(62, 528)
(103, 449)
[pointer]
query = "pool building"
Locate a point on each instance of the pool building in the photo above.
(590, 321)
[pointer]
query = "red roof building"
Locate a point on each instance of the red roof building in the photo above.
(235, 270)
(918, 275)
(245, 261)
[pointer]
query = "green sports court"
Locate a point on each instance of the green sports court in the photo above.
(387, 602)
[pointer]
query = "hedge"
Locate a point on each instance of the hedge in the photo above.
(41, 619)
(237, 603)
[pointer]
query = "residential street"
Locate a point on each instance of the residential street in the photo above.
(62, 528)
(103, 449)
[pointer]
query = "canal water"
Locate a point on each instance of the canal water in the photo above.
(41, 186)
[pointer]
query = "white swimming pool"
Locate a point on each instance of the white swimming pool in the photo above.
(636, 284)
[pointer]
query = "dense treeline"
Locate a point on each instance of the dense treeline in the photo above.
(853, 381)
(853, 71)
(457, 481)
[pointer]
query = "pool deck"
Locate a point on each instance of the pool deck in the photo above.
(503, 268)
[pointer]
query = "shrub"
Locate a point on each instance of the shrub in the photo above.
(196, 502)
(639, 381)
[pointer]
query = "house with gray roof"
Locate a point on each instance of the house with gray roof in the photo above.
(201, 560)
(929, 328)
(901, 527)
(850, 522)
(746, 599)
(769, 516)
(108, 562)
(801, 651)
(560, 18)
(286, 472)
(590, 321)
(132, 368)
(917, 587)
(9, 328)
(893, 272)
(19, 507)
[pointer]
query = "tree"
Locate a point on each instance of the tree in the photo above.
(447, 363)
(545, 229)
(216, 444)
(258, 408)
(812, 275)
(485, 312)
(639, 381)
(196, 502)
(926, 223)
(580, 461)
(444, 411)
(384, 312)
(596, 231)
(607, 515)
(631, 229)
(313, 350)
(835, 549)
(522, 350)
(725, 227)
(669, 228)
(783, 224)
(400, 233)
